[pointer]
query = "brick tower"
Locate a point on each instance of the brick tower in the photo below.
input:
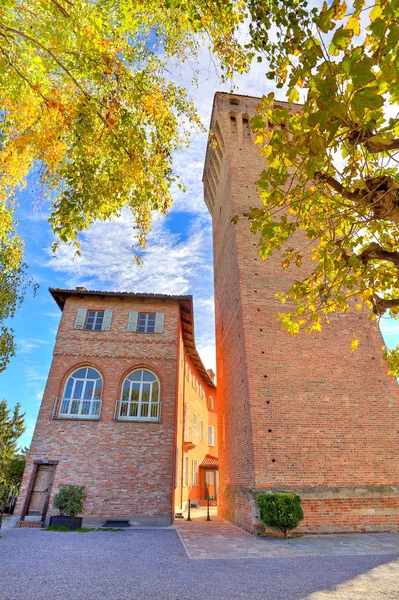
(302, 414)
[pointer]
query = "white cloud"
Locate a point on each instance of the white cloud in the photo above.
(33, 374)
(174, 263)
(27, 346)
(171, 262)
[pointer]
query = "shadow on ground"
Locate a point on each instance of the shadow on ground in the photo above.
(152, 564)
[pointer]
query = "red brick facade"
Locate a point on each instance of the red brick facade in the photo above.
(128, 467)
(303, 414)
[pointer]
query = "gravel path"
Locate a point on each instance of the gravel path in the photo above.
(152, 564)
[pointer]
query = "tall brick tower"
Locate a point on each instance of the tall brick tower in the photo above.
(302, 414)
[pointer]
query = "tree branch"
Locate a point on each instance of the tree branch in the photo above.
(61, 8)
(375, 252)
(338, 187)
(373, 146)
(380, 305)
(47, 51)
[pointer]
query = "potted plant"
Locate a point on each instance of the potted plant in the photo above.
(69, 500)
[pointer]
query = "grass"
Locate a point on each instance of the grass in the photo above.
(64, 529)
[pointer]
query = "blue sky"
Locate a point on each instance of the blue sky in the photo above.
(177, 260)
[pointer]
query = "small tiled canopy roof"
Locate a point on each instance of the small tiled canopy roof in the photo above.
(210, 462)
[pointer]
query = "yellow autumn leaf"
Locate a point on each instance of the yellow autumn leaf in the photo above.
(354, 24)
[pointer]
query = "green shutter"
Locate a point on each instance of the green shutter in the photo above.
(132, 320)
(80, 318)
(159, 318)
(107, 320)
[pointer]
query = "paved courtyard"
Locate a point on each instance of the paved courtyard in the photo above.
(153, 564)
(220, 539)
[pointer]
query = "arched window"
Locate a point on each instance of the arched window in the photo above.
(82, 395)
(211, 403)
(140, 397)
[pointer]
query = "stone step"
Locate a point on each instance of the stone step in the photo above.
(116, 524)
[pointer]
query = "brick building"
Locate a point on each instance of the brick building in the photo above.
(129, 411)
(303, 414)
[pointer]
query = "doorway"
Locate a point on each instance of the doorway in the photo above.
(210, 484)
(38, 495)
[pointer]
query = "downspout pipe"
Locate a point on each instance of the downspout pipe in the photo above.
(183, 427)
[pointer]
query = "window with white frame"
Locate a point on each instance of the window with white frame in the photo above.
(201, 430)
(195, 425)
(177, 468)
(201, 392)
(186, 423)
(211, 435)
(146, 323)
(188, 372)
(195, 383)
(186, 471)
(93, 320)
(140, 399)
(82, 395)
(211, 403)
(194, 477)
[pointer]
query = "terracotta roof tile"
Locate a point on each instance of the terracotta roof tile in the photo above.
(210, 462)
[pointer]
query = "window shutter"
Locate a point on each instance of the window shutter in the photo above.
(159, 323)
(107, 320)
(80, 318)
(132, 320)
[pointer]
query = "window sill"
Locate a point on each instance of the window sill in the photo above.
(137, 420)
(77, 417)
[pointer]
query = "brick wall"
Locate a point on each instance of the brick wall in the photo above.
(299, 413)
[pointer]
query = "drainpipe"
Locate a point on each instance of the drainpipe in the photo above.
(183, 427)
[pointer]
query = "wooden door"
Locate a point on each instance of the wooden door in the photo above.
(210, 484)
(41, 489)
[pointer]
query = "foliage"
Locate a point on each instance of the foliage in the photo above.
(89, 108)
(12, 471)
(12, 426)
(70, 499)
(61, 528)
(282, 511)
(12, 461)
(331, 190)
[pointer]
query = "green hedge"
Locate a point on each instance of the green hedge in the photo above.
(283, 511)
(70, 499)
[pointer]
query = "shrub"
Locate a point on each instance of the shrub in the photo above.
(282, 511)
(70, 499)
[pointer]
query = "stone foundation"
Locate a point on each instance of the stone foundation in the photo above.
(326, 510)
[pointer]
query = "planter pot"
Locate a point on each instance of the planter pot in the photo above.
(72, 522)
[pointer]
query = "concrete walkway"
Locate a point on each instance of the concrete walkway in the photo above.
(218, 539)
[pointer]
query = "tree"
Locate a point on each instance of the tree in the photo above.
(12, 426)
(12, 462)
(332, 162)
(88, 106)
(282, 511)
(11, 473)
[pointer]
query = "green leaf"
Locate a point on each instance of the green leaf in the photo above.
(340, 40)
(365, 99)
(361, 72)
